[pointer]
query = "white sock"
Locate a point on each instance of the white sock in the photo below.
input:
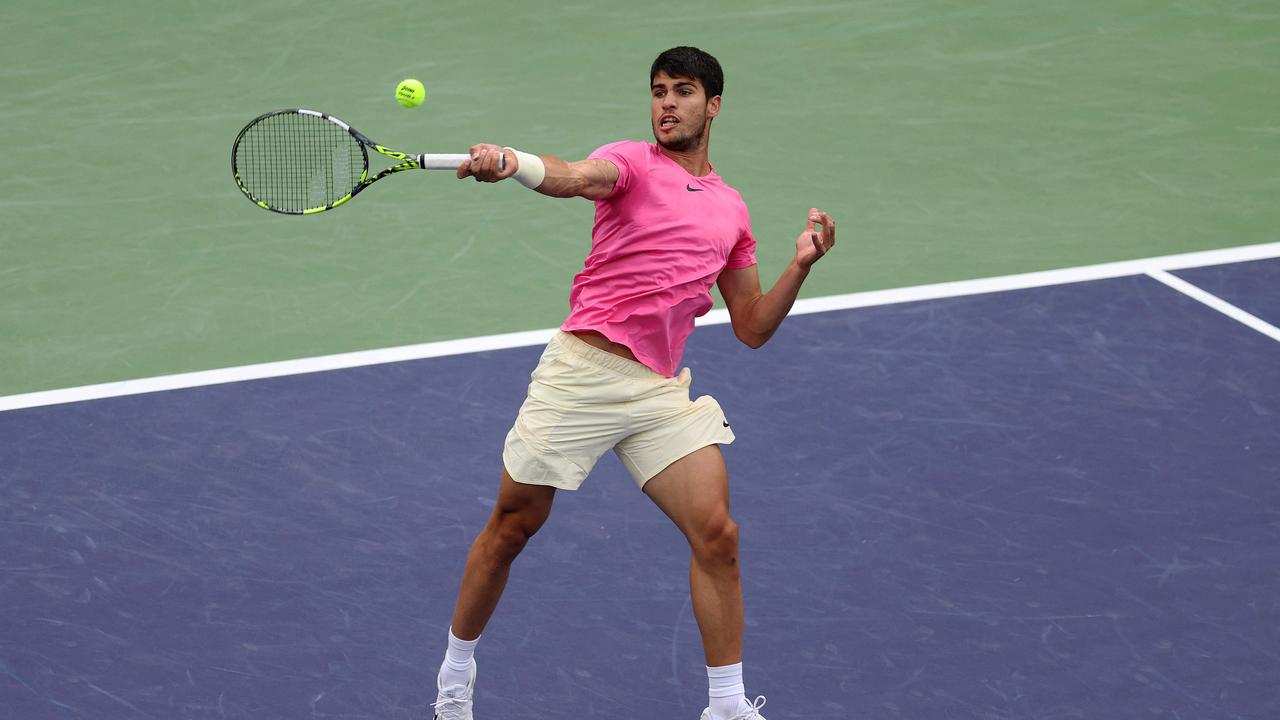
(728, 694)
(456, 669)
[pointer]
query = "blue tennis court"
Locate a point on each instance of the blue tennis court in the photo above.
(1056, 502)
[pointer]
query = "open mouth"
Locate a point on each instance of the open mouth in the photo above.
(666, 122)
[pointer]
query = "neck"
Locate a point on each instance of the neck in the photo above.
(694, 160)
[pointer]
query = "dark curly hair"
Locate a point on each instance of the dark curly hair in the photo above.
(692, 63)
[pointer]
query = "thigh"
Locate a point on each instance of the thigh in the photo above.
(527, 506)
(693, 491)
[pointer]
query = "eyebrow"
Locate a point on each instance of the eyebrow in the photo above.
(679, 83)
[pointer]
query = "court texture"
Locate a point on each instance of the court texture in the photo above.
(1016, 455)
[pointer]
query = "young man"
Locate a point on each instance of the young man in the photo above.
(666, 228)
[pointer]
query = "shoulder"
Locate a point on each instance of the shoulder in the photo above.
(631, 158)
(739, 205)
(631, 150)
(737, 196)
(732, 194)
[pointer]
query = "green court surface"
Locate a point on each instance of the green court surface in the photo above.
(951, 140)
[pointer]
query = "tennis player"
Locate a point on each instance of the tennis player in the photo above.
(666, 228)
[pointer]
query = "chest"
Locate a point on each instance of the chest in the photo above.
(702, 210)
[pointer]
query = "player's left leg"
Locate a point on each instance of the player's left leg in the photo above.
(694, 492)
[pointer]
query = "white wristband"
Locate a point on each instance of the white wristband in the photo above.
(530, 170)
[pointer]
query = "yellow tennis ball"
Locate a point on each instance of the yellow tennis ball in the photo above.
(410, 93)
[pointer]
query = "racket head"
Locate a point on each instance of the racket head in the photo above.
(299, 162)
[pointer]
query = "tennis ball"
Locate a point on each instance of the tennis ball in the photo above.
(410, 93)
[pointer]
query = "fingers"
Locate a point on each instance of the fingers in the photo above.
(822, 239)
(486, 164)
(818, 217)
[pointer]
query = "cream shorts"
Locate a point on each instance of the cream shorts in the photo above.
(583, 401)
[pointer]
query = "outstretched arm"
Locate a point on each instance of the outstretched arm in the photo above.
(591, 179)
(755, 315)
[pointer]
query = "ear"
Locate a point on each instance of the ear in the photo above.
(713, 107)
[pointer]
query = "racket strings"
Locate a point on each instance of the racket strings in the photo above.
(295, 162)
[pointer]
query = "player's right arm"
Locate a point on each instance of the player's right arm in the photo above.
(590, 179)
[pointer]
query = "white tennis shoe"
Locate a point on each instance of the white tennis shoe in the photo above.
(454, 702)
(752, 714)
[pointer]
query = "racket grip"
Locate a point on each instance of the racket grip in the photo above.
(450, 161)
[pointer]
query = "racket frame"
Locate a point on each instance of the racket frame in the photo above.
(406, 161)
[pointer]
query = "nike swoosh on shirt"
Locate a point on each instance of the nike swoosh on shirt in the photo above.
(691, 188)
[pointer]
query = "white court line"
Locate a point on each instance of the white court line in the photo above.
(1217, 303)
(716, 317)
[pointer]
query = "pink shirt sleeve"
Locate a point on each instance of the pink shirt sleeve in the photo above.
(626, 156)
(744, 251)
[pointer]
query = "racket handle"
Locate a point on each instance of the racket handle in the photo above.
(450, 162)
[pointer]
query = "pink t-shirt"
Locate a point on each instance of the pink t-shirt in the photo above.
(660, 240)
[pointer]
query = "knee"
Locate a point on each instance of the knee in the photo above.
(716, 542)
(506, 536)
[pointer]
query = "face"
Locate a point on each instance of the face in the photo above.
(681, 112)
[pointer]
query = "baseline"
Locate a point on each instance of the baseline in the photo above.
(805, 306)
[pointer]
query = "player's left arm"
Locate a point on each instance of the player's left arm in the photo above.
(755, 314)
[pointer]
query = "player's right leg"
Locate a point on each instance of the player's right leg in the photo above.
(574, 412)
(519, 512)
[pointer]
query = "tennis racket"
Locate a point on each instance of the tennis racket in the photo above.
(301, 162)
